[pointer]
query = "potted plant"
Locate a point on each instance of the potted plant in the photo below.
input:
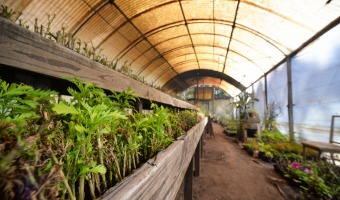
(245, 100)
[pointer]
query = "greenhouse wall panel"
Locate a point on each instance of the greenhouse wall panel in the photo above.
(277, 94)
(316, 83)
(259, 93)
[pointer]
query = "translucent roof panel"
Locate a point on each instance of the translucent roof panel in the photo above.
(167, 33)
(174, 43)
(163, 40)
(154, 18)
(178, 52)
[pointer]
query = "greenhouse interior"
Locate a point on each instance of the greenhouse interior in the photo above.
(127, 99)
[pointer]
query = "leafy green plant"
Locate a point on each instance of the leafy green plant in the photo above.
(270, 116)
(8, 13)
(245, 100)
(251, 145)
(232, 125)
(308, 178)
(90, 118)
(243, 104)
(293, 148)
(77, 149)
(273, 136)
(24, 122)
(330, 173)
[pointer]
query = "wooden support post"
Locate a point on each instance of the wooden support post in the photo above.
(210, 128)
(265, 93)
(198, 159)
(201, 145)
(188, 182)
(139, 106)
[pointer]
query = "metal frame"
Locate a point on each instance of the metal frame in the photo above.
(331, 137)
(210, 73)
(144, 37)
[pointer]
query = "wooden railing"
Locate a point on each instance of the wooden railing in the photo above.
(162, 176)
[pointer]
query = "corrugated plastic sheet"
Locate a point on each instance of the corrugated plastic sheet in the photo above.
(164, 38)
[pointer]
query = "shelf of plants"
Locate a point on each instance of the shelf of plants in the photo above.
(24, 49)
(79, 149)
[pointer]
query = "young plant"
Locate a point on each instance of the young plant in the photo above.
(270, 116)
(273, 136)
(308, 178)
(243, 103)
(24, 121)
(90, 115)
(9, 13)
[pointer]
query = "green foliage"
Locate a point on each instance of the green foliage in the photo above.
(7, 13)
(188, 119)
(319, 180)
(22, 106)
(60, 150)
(316, 180)
(232, 124)
(264, 149)
(293, 148)
(244, 102)
(292, 156)
(270, 115)
(125, 99)
(24, 122)
(273, 136)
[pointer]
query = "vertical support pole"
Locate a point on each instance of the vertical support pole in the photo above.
(266, 92)
(252, 96)
(188, 182)
(332, 130)
(201, 145)
(213, 108)
(198, 159)
(139, 106)
(265, 99)
(290, 99)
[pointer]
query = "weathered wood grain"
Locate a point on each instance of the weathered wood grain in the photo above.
(26, 50)
(160, 178)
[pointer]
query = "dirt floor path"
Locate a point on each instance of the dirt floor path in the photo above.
(228, 173)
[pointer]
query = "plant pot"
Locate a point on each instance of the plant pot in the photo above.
(265, 158)
(279, 169)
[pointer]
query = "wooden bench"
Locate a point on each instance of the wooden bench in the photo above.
(331, 147)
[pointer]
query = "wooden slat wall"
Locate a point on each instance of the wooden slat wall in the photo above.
(160, 178)
(26, 50)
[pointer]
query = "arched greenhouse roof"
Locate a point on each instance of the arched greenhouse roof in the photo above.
(175, 44)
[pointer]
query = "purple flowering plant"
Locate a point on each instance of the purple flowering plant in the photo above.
(307, 177)
(295, 165)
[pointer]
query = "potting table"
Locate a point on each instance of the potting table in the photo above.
(331, 147)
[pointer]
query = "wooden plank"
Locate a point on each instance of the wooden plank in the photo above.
(27, 50)
(197, 157)
(162, 176)
(188, 182)
(322, 146)
(139, 106)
